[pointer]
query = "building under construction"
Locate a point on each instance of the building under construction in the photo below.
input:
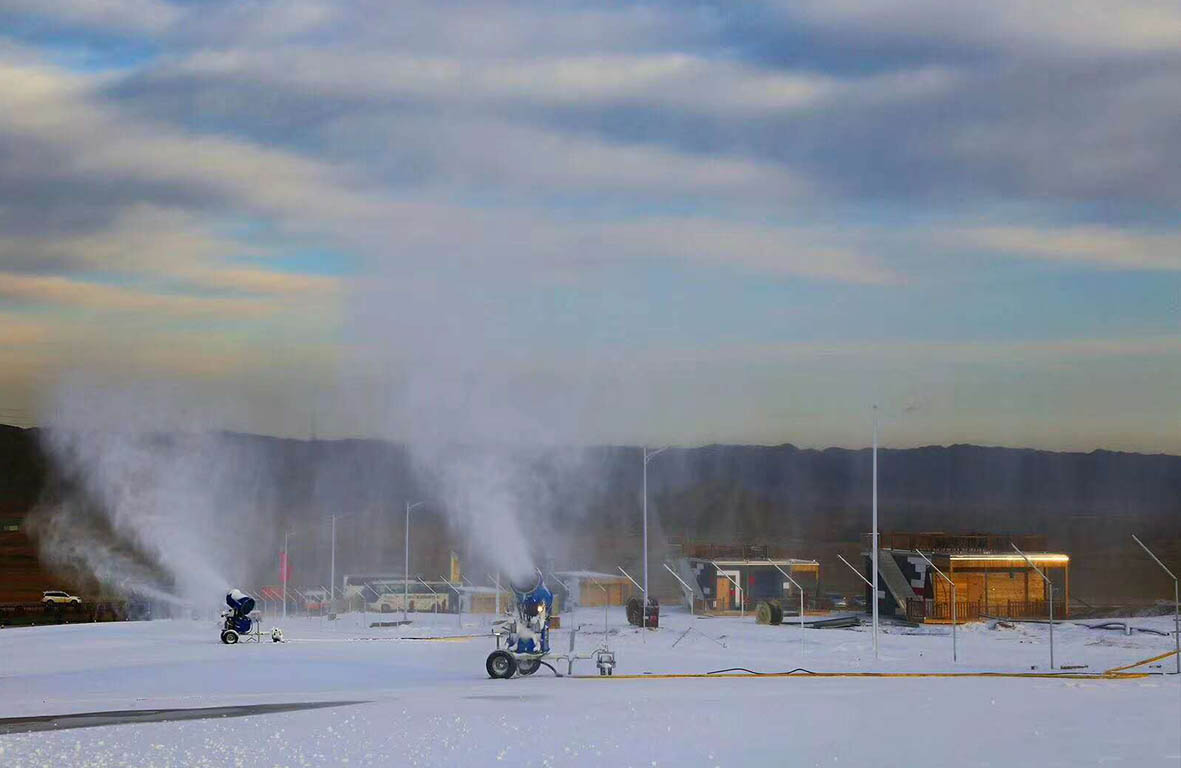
(991, 578)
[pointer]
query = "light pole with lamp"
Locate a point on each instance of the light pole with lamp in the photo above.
(406, 561)
(648, 456)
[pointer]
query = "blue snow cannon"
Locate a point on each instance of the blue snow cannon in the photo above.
(236, 621)
(528, 633)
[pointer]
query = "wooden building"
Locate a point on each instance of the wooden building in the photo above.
(991, 579)
(591, 588)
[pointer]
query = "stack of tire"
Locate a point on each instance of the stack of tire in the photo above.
(769, 612)
(635, 615)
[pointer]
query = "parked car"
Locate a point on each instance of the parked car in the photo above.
(57, 597)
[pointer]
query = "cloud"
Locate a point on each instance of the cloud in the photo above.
(64, 291)
(1101, 246)
(1047, 27)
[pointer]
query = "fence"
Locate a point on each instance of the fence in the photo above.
(922, 610)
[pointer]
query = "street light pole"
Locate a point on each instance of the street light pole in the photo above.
(875, 532)
(406, 561)
(1176, 601)
(648, 456)
(332, 567)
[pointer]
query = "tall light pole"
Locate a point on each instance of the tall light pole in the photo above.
(648, 456)
(1176, 600)
(875, 532)
(406, 560)
(332, 568)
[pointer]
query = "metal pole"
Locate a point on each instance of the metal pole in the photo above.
(647, 457)
(787, 576)
(458, 603)
(1050, 586)
(683, 584)
(644, 607)
(954, 654)
(1176, 601)
(875, 532)
(286, 568)
(629, 577)
(406, 566)
(332, 568)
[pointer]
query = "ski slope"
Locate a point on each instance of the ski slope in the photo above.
(427, 702)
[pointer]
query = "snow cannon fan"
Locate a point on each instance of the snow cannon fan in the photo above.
(527, 633)
(236, 621)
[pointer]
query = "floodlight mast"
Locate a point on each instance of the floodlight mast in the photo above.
(406, 560)
(874, 586)
(1050, 587)
(648, 456)
(1176, 600)
(954, 654)
(787, 576)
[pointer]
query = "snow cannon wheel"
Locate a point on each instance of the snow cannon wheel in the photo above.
(500, 665)
(527, 667)
(229, 636)
(776, 613)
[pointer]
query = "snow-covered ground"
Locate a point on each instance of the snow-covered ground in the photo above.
(427, 702)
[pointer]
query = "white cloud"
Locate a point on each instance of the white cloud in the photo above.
(1100, 246)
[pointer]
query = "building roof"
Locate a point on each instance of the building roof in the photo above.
(1000, 557)
(594, 575)
(766, 563)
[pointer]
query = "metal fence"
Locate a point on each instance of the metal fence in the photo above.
(921, 610)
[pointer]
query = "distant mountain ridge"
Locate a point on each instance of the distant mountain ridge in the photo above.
(813, 502)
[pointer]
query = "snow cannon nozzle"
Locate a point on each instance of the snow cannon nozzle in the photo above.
(527, 584)
(239, 602)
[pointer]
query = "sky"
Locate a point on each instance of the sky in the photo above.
(600, 222)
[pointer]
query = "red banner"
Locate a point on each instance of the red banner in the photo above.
(284, 568)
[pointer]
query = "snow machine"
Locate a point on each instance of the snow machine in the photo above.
(527, 634)
(238, 621)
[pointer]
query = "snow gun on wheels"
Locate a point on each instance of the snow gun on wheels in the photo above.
(239, 620)
(527, 634)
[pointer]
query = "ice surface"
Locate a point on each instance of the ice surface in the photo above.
(430, 703)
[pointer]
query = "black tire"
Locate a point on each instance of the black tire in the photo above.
(776, 613)
(527, 667)
(634, 614)
(229, 636)
(500, 665)
(764, 613)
